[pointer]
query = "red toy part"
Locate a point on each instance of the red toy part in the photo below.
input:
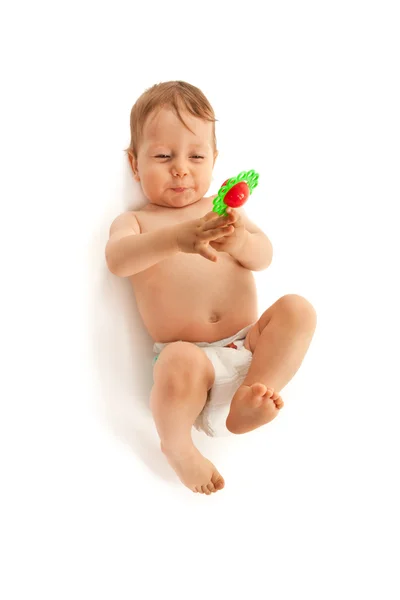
(237, 195)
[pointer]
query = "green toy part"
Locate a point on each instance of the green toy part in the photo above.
(249, 177)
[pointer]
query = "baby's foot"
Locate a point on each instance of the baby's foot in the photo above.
(194, 470)
(253, 406)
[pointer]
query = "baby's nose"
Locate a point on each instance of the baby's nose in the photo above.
(179, 171)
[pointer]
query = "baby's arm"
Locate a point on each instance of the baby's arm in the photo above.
(256, 253)
(129, 252)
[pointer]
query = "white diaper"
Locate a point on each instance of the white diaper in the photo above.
(231, 367)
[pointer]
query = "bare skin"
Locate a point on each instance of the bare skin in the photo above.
(203, 311)
(185, 296)
(255, 405)
(194, 470)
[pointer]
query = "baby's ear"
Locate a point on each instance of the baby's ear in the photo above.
(133, 163)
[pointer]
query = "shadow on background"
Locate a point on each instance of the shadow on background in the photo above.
(121, 347)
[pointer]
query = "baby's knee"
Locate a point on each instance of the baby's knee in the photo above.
(179, 366)
(298, 309)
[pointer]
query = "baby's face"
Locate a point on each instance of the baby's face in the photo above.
(174, 165)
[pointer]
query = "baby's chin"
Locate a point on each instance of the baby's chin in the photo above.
(179, 199)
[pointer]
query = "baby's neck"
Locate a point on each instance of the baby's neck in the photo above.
(151, 206)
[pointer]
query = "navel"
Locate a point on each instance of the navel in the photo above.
(215, 317)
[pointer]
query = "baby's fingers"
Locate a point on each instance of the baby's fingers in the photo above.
(213, 234)
(206, 253)
(216, 221)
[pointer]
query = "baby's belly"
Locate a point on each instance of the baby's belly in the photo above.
(194, 300)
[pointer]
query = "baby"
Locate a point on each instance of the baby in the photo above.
(218, 366)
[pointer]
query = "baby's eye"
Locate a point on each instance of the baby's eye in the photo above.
(162, 156)
(197, 156)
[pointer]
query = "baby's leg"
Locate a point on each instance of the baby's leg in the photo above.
(183, 374)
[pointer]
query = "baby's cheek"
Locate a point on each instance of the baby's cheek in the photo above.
(204, 182)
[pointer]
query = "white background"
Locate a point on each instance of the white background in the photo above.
(307, 93)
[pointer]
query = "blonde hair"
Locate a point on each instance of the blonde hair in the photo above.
(171, 94)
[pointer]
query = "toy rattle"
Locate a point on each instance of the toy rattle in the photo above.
(235, 191)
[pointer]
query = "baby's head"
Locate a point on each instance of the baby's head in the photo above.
(173, 146)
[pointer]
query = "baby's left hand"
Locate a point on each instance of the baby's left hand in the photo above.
(231, 242)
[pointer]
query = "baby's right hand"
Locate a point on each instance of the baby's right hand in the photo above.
(193, 237)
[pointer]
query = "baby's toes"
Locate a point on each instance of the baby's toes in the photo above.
(218, 481)
(269, 394)
(255, 395)
(258, 389)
